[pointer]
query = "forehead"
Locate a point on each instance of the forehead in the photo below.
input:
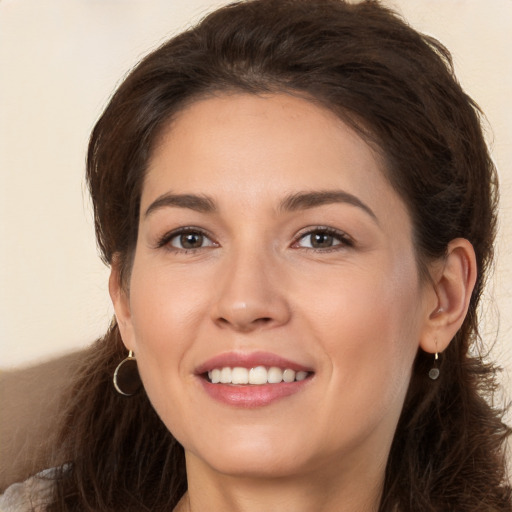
(262, 147)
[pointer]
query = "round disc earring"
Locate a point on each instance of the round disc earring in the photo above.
(126, 376)
(434, 371)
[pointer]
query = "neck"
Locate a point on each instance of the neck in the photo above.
(358, 490)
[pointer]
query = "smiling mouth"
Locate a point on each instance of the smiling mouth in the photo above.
(257, 376)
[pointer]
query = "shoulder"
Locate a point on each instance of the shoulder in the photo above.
(30, 495)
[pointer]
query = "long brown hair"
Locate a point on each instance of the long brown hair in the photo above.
(397, 89)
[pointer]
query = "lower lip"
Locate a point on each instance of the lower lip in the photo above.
(252, 396)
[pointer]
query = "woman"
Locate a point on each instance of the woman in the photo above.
(298, 208)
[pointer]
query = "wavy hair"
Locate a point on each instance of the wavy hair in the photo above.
(396, 87)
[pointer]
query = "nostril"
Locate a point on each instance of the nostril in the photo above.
(245, 324)
(261, 322)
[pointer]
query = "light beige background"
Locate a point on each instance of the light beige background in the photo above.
(59, 62)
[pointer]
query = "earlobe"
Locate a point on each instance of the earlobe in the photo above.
(121, 303)
(453, 281)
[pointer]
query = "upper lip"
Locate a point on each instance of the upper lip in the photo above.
(249, 360)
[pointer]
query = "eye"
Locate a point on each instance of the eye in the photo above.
(186, 240)
(323, 238)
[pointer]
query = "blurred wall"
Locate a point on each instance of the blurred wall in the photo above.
(60, 60)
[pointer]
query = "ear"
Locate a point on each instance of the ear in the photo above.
(121, 301)
(453, 280)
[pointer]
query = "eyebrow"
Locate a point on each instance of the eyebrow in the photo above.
(202, 204)
(291, 203)
(306, 200)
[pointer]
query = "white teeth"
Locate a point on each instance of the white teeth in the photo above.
(225, 375)
(239, 376)
(275, 375)
(288, 375)
(301, 375)
(258, 375)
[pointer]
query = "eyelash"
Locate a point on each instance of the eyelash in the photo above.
(164, 241)
(343, 239)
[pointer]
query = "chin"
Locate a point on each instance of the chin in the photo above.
(257, 465)
(254, 456)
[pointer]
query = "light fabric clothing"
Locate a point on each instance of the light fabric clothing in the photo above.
(30, 495)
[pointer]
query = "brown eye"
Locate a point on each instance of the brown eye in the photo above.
(321, 240)
(189, 240)
(324, 239)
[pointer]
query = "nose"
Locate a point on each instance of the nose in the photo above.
(250, 295)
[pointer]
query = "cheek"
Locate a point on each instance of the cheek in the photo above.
(166, 315)
(165, 306)
(368, 325)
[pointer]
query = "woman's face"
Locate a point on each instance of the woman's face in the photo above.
(270, 238)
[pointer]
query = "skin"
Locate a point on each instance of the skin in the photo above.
(355, 312)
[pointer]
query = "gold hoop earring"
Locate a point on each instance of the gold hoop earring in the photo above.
(126, 376)
(434, 371)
